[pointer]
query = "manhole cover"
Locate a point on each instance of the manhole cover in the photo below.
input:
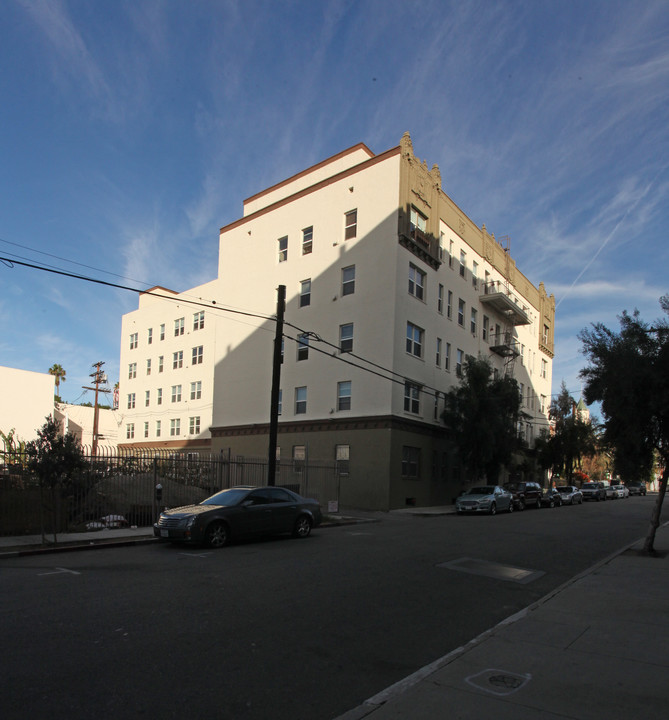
(498, 682)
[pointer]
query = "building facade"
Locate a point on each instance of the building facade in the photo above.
(389, 287)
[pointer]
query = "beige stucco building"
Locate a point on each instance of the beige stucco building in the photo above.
(26, 400)
(390, 286)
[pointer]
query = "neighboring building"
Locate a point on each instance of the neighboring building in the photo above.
(26, 400)
(383, 272)
(79, 420)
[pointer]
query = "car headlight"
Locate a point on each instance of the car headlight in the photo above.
(187, 522)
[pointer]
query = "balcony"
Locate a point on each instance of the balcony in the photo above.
(505, 303)
(504, 344)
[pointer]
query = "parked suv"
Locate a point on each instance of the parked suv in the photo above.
(525, 493)
(594, 491)
(637, 488)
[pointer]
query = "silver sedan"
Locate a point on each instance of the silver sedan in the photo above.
(484, 499)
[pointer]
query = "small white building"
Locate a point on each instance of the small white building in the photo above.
(390, 286)
(26, 400)
(79, 420)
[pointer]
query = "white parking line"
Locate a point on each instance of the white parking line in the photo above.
(60, 571)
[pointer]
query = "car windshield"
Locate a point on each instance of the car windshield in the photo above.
(484, 490)
(565, 489)
(233, 496)
(589, 486)
(513, 487)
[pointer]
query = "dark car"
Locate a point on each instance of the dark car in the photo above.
(637, 488)
(551, 498)
(237, 512)
(594, 491)
(524, 494)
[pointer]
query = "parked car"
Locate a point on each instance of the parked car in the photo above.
(486, 499)
(237, 512)
(570, 494)
(524, 494)
(594, 491)
(637, 488)
(551, 498)
(620, 491)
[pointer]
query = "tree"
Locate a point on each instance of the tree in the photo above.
(572, 438)
(481, 417)
(55, 460)
(59, 373)
(629, 374)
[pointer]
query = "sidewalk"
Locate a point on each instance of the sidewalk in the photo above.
(594, 648)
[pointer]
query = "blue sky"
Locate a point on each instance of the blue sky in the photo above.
(132, 131)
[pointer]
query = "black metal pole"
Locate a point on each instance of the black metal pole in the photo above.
(276, 384)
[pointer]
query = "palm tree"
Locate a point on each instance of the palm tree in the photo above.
(59, 373)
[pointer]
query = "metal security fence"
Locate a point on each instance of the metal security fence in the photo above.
(120, 489)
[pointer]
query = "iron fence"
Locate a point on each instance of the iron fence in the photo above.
(120, 489)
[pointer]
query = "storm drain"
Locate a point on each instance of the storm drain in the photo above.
(498, 682)
(493, 570)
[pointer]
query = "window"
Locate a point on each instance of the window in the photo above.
(475, 271)
(198, 353)
(149, 338)
(543, 404)
(414, 340)
(305, 293)
(307, 240)
(194, 425)
(158, 427)
(198, 320)
(133, 341)
(447, 357)
(179, 327)
(544, 335)
(147, 398)
(300, 400)
(130, 431)
(449, 307)
(458, 362)
(486, 327)
(350, 224)
(348, 280)
(416, 282)
(342, 458)
(177, 360)
(160, 364)
(438, 354)
(132, 371)
(450, 254)
(436, 405)
(418, 222)
(162, 331)
(175, 427)
(148, 366)
(146, 429)
(472, 321)
(344, 395)
(440, 299)
(346, 338)
(410, 462)
(196, 390)
(412, 397)
(463, 262)
(544, 368)
(303, 346)
(131, 401)
(461, 312)
(159, 396)
(176, 393)
(283, 248)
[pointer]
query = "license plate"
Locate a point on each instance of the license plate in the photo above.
(164, 533)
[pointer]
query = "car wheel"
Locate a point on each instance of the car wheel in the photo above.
(521, 504)
(551, 504)
(511, 506)
(493, 509)
(217, 535)
(302, 527)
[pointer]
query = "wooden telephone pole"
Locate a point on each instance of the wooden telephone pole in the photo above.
(99, 378)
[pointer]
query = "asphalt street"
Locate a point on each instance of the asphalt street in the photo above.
(280, 628)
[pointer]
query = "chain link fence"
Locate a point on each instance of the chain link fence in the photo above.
(120, 489)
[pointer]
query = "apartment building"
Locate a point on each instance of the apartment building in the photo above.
(390, 286)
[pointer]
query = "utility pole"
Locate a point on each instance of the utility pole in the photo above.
(276, 383)
(99, 378)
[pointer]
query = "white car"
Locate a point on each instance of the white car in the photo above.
(621, 491)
